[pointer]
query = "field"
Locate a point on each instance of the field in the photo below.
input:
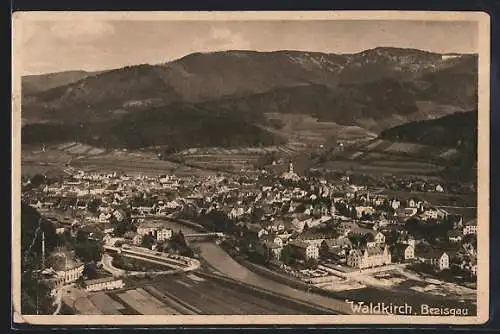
(385, 158)
(408, 150)
(383, 167)
(308, 130)
(144, 303)
(53, 161)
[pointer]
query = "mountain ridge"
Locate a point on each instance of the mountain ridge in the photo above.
(374, 89)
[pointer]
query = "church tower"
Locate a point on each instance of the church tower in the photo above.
(290, 167)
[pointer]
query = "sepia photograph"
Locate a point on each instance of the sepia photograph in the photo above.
(207, 168)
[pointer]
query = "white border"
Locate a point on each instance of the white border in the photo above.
(483, 20)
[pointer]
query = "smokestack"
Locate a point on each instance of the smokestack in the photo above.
(43, 250)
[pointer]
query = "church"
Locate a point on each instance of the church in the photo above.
(290, 174)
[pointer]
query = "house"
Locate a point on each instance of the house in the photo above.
(270, 249)
(470, 227)
(437, 258)
(402, 252)
(365, 231)
(106, 228)
(321, 210)
(303, 250)
(454, 236)
(300, 221)
(137, 239)
(337, 246)
(277, 226)
(409, 212)
(107, 239)
(284, 236)
(315, 238)
(473, 267)
(255, 231)
(412, 203)
(104, 217)
(129, 235)
(149, 228)
(345, 227)
(364, 210)
(369, 257)
(275, 239)
(163, 234)
(104, 283)
(60, 229)
(433, 213)
(119, 215)
(395, 204)
(236, 212)
(379, 238)
(67, 267)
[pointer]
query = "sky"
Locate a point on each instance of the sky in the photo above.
(92, 45)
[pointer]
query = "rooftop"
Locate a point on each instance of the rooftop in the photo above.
(101, 280)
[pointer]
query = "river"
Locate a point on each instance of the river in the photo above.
(217, 258)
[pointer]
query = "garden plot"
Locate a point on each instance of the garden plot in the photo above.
(144, 303)
(106, 304)
(407, 148)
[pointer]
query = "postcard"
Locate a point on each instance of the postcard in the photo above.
(209, 168)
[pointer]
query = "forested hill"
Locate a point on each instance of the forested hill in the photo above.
(458, 130)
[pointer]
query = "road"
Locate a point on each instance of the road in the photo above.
(107, 264)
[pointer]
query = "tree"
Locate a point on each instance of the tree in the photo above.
(37, 180)
(324, 250)
(35, 296)
(287, 255)
(257, 214)
(147, 241)
(342, 209)
(366, 216)
(392, 237)
(93, 205)
(123, 227)
(353, 213)
(360, 240)
(470, 239)
(187, 251)
(366, 238)
(32, 224)
(89, 251)
(82, 236)
(311, 263)
(90, 270)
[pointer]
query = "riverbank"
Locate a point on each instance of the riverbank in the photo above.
(365, 294)
(224, 264)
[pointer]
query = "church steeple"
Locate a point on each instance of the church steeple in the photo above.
(290, 167)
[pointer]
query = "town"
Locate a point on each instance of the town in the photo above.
(332, 235)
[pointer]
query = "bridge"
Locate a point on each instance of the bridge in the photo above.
(211, 234)
(203, 236)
